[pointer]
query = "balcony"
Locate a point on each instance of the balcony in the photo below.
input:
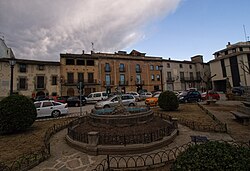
(122, 69)
(123, 83)
(108, 83)
(189, 79)
(170, 79)
(75, 82)
(107, 69)
(139, 82)
(138, 70)
(41, 86)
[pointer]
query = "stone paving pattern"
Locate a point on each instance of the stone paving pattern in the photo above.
(65, 158)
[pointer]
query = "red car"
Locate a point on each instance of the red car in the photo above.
(211, 95)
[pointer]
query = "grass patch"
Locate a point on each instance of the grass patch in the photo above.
(14, 146)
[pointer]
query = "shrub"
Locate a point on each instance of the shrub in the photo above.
(168, 101)
(17, 113)
(213, 156)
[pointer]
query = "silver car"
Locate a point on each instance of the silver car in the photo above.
(127, 100)
(51, 108)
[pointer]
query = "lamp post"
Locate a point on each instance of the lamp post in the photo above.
(12, 63)
(160, 68)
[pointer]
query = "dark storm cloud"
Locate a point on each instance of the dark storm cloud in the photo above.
(42, 29)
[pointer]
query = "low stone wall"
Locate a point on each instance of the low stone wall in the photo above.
(121, 120)
(92, 148)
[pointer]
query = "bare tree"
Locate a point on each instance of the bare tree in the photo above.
(207, 79)
(244, 67)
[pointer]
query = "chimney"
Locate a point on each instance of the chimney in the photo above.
(82, 51)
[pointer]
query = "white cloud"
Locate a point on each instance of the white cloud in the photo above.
(43, 29)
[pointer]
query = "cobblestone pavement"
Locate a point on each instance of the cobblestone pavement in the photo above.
(65, 158)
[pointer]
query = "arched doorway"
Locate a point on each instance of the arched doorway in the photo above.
(70, 92)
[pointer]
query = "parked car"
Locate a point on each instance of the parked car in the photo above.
(145, 95)
(127, 100)
(238, 90)
(189, 96)
(96, 96)
(135, 94)
(74, 101)
(210, 95)
(41, 98)
(50, 108)
(152, 101)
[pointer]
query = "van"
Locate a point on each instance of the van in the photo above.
(96, 96)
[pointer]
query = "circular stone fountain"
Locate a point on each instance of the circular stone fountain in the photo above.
(120, 131)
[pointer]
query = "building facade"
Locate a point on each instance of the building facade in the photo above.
(30, 78)
(183, 75)
(231, 63)
(106, 71)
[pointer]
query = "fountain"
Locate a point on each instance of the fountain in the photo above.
(120, 130)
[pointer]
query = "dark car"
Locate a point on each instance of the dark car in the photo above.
(74, 101)
(189, 96)
(238, 90)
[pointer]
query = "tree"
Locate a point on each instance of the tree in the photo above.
(17, 113)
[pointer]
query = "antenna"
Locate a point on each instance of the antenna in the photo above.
(246, 37)
(92, 46)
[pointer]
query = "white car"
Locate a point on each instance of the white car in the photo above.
(145, 95)
(127, 100)
(51, 108)
(96, 96)
(135, 94)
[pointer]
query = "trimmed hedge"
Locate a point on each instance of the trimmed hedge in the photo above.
(213, 156)
(168, 101)
(17, 113)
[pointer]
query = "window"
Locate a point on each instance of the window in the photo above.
(122, 67)
(80, 77)
(182, 76)
(22, 67)
(70, 77)
(191, 76)
(107, 79)
(40, 67)
(80, 62)
(40, 82)
(152, 77)
(47, 104)
(158, 77)
(37, 105)
(156, 67)
(168, 65)
(198, 75)
(70, 62)
(169, 76)
(151, 67)
(190, 66)
(90, 77)
(90, 63)
(180, 65)
(137, 68)
(54, 80)
(22, 84)
(223, 67)
(107, 67)
(122, 79)
(97, 95)
(138, 79)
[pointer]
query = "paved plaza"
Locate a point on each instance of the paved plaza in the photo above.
(65, 158)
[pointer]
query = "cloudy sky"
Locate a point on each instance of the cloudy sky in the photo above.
(176, 29)
(42, 29)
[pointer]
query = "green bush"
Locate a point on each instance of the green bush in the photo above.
(17, 113)
(213, 156)
(168, 101)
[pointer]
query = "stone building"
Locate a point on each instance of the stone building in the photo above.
(231, 63)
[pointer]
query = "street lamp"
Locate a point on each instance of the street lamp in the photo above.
(160, 68)
(12, 63)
